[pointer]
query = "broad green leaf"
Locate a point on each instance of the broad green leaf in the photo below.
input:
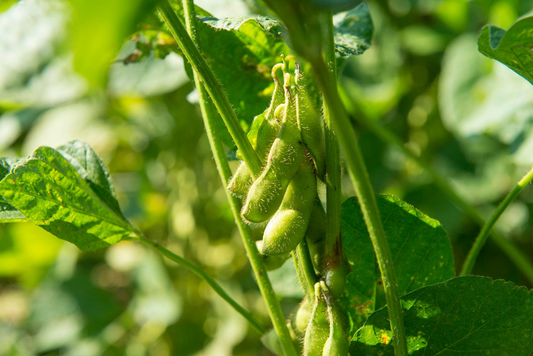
(242, 52)
(353, 33)
(7, 212)
(68, 193)
(420, 248)
(464, 316)
(512, 47)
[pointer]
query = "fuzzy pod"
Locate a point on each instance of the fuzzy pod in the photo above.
(316, 251)
(316, 230)
(310, 125)
(337, 343)
(300, 319)
(318, 329)
(266, 193)
(287, 227)
(271, 263)
(264, 130)
(335, 279)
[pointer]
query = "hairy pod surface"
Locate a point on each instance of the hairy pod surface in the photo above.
(266, 193)
(335, 279)
(337, 343)
(301, 318)
(271, 262)
(311, 126)
(316, 230)
(318, 330)
(287, 227)
(316, 251)
(262, 134)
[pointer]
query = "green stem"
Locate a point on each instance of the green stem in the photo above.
(514, 254)
(483, 235)
(367, 200)
(304, 268)
(212, 283)
(208, 115)
(212, 86)
(333, 245)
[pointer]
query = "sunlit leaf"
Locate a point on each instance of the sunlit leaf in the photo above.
(7, 212)
(68, 193)
(463, 316)
(513, 47)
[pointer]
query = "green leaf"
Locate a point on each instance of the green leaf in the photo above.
(420, 249)
(7, 212)
(512, 47)
(464, 316)
(242, 52)
(68, 193)
(353, 33)
(98, 30)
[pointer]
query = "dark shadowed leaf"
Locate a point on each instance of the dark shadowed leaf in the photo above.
(353, 33)
(420, 248)
(68, 193)
(463, 316)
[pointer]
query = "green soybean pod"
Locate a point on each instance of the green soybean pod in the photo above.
(335, 278)
(262, 134)
(318, 330)
(270, 262)
(266, 193)
(337, 343)
(316, 251)
(287, 227)
(301, 318)
(316, 234)
(310, 125)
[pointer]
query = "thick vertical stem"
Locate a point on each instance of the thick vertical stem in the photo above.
(365, 194)
(333, 259)
(212, 86)
(209, 115)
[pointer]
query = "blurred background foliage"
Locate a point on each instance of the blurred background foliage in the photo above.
(423, 78)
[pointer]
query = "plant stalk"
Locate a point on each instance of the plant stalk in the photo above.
(200, 273)
(212, 86)
(514, 254)
(304, 269)
(484, 233)
(365, 193)
(208, 115)
(333, 258)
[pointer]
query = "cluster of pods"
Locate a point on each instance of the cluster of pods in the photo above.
(283, 207)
